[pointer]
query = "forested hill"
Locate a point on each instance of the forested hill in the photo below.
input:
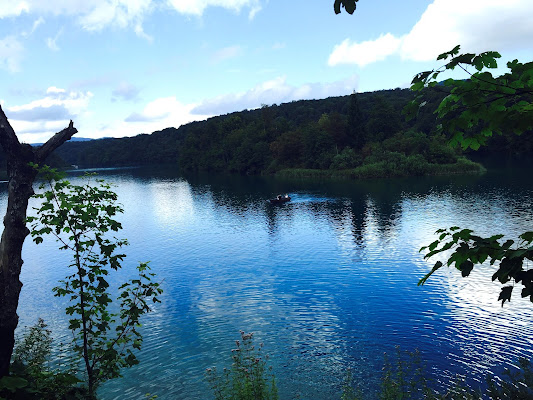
(243, 142)
(336, 133)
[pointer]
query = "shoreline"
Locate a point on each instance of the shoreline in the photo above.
(381, 170)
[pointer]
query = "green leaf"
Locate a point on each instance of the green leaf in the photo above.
(464, 234)
(505, 294)
(464, 58)
(452, 52)
(465, 268)
(13, 383)
(349, 6)
(337, 6)
(433, 245)
(527, 236)
(437, 266)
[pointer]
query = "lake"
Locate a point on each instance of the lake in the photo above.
(327, 282)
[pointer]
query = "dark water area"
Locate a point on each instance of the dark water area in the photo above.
(327, 282)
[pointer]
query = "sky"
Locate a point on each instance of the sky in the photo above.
(125, 67)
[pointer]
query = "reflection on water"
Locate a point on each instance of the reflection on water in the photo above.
(327, 281)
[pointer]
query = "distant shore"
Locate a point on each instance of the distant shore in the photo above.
(384, 170)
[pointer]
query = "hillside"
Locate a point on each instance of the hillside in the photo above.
(365, 131)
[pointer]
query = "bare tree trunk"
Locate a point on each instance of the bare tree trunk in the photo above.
(21, 176)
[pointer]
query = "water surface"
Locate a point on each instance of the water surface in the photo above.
(327, 281)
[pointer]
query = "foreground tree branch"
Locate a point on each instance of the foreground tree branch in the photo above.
(21, 175)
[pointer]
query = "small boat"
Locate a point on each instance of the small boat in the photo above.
(280, 199)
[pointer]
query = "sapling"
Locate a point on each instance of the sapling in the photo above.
(82, 219)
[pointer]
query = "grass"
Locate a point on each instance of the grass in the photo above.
(384, 169)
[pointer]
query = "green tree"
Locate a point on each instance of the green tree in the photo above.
(475, 109)
(318, 147)
(82, 219)
(335, 126)
(356, 129)
(21, 176)
(288, 148)
(268, 113)
(383, 121)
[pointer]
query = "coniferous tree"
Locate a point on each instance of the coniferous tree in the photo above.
(356, 131)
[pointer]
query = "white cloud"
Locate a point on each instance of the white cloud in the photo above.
(275, 91)
(125, 91)
(11, 52)
(253, 11)
(53, 7)
(169, 112)
(158, 114)
(477, 25)
(95, 15)
(54, 112)
(38, 22)
(12, 8)
(38, 120)
(197, 7)
(52, 90)
(121, 13)
(139, 31)
(102, 80)
(365, 52)
(161, 109)
(43, 117)
(226, 53)
(38, 131)
(139, 117)
(52, 42)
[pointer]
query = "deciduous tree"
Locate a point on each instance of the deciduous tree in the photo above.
(20, 179)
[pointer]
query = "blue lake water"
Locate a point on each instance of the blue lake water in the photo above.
(326, 282)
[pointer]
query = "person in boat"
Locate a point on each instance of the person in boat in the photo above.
(279, 197)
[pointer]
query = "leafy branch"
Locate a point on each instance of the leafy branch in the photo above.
(468, 250)
(482, 105)
(475, 109)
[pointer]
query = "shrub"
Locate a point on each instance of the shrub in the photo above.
(248, 378)
(441, 153)
(517, 385)
(32, 375)
(416, 165)
(346, 159)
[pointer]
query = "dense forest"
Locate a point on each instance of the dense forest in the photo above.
(359, 135)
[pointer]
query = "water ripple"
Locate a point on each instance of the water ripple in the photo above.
(327, 281)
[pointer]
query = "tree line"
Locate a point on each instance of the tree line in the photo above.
(364, 130)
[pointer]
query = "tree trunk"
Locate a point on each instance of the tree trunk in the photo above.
(21, 176)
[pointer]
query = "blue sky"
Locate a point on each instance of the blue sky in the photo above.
(124, 67)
